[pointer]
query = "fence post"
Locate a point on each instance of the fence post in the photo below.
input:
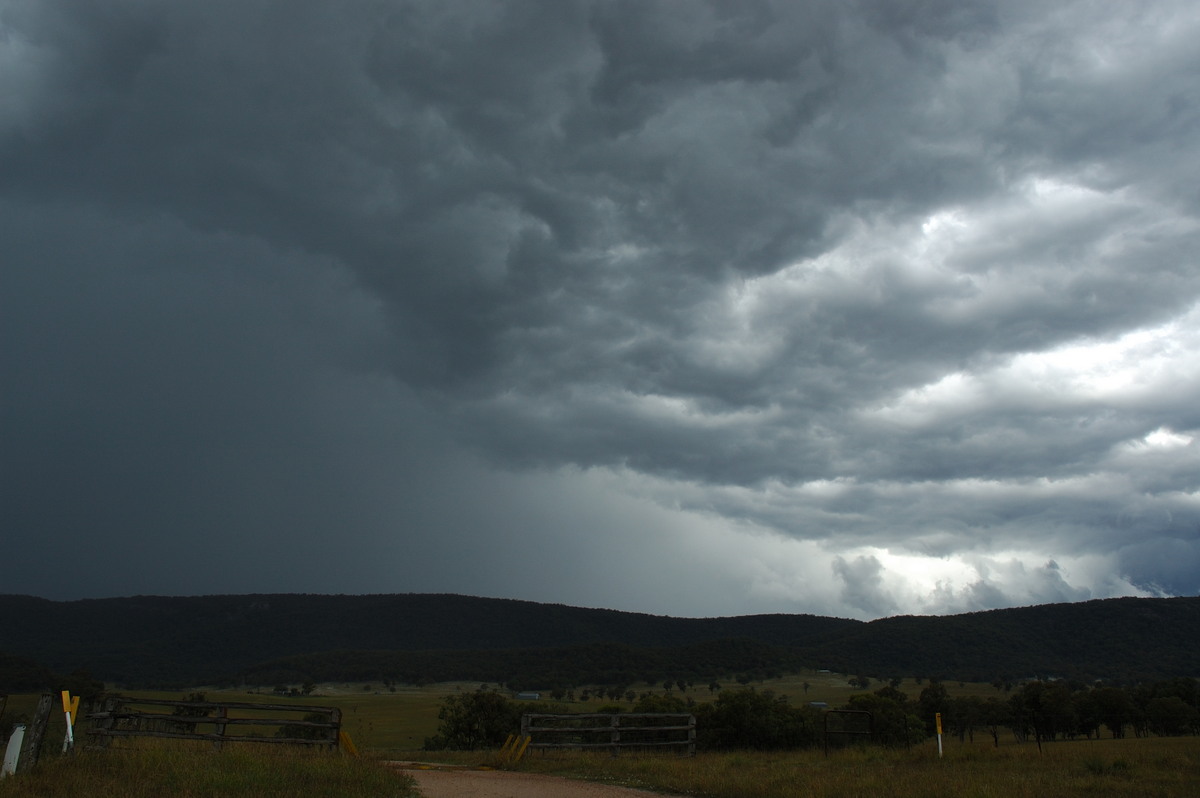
(106, 721)
(12, 750)
(615, 734)
(691, 735)
(219, 726)
(335, 717)
(32, 746)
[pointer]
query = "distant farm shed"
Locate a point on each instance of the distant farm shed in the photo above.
(529, 696)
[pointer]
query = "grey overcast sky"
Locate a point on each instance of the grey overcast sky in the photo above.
(846, 308)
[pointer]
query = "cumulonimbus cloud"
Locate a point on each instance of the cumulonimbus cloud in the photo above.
(891, 282)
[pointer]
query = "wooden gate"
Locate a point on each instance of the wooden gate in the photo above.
(216, 722)
(611, 730)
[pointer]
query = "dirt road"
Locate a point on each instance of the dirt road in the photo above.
(458, 783)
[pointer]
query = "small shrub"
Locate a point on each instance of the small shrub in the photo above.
(473, 721)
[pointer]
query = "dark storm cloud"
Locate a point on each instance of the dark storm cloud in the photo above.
(913, 284)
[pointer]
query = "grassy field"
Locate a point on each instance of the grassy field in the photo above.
(393, 725)
(1132, 768)
(1141, 768)
(387, 721)
(248, 771)
(394, 721)
(835, 689)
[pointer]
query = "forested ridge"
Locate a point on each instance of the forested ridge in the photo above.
(265, 639)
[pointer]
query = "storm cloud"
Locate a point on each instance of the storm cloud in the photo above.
(690, 308)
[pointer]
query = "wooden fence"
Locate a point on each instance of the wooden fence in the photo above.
(849, 722)
(613, 731)
(217, 723)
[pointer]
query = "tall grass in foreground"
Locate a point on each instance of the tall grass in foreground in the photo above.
(242, 772)
(1145, 768)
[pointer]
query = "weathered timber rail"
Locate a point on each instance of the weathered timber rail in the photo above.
(613, 731)
(211, 721)
(850, 722)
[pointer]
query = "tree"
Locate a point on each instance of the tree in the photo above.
(470, 721)
(652, 702)
(1044, 707)
(966, 712)
(1088, 716)
(80, 683)
(996, 713)
(891, 716)
(297, 732)
(933, 700)
(1171, 716)
(1115, 709)
(190, 712)
(750, 719)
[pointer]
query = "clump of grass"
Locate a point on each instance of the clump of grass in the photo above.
(1098, 767)
(245, 771)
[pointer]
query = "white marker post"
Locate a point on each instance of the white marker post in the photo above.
(12, 754)
(70, 708)
(938, 717)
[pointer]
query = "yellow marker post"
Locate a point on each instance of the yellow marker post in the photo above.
(347, 744)
(71, 711)
(521, 749)
(938, 719)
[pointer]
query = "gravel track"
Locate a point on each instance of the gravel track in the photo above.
(463, 783)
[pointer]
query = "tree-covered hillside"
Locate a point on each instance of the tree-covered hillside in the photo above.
(149, 641)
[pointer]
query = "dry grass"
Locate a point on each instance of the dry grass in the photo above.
(1154, 767)
(1167, 768)
(393, 725)
(385, 721)
(245, 770)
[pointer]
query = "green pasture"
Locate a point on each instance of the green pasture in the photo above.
(384, 721)
(387, 724)
(398, 719)
(835, 689)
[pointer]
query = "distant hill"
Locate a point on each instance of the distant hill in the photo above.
(262, 639)
(1126, 639)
